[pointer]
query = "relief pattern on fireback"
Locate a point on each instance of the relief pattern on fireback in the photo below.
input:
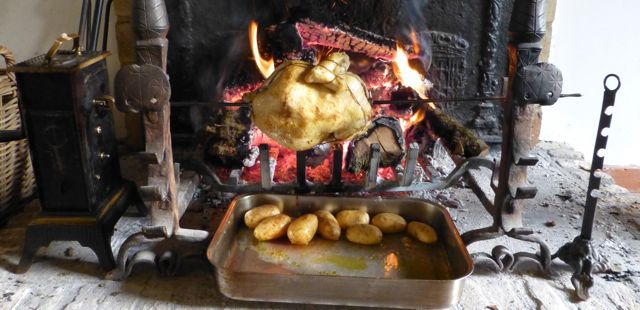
(449, 64)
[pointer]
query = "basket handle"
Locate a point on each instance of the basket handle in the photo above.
(59, 41)
(9, 135)
(9, 60)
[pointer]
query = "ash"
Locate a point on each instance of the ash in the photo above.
(66, 275)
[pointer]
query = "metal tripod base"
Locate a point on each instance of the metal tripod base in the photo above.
(154, 248)
(583, 258)
(501, 257)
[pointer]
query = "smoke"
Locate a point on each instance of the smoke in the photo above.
(209, 44)
(412, 25)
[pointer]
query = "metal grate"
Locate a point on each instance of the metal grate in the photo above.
(404, 180)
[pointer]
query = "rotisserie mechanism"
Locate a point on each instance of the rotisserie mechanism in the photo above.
(301, 105)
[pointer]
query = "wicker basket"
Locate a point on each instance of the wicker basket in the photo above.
(17, 182)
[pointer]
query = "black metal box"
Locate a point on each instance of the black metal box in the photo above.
(70, 129)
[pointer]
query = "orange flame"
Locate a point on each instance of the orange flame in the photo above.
(414, 40)
(418, 116)
(408, 76)
(415, 118)
(266, 66)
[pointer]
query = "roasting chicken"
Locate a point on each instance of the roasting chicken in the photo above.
(301, 105)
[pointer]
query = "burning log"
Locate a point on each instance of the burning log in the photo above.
(348, 38)
(459, 140)
(227, 138)
(380, 80)
(385, 131)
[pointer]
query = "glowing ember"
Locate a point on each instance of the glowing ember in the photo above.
(408, 76)
(284, 161)
(234, 94)
(266, 66)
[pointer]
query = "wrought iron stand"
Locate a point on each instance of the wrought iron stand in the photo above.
(144, 88)
(535, 83)
(579, 254)
(530, 83)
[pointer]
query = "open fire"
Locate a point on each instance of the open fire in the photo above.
(387, 73)
(266, 66)
(391, 72)
(408, 76)
(399, 129)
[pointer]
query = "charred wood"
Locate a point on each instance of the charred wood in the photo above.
(350, 39)
(385, 131)
(227, 137)
(459, 140)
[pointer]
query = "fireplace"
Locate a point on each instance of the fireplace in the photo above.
(211, 68)
(480, 81)
(463, 52)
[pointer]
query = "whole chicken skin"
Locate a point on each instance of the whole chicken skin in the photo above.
(301, 105)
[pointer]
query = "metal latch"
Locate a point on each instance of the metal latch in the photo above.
(103, 104)
(59, 41)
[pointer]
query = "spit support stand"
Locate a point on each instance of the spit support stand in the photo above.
(144, 88)
(530, 83)
(580, 254)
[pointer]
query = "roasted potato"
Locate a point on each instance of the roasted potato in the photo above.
(422, 232)
(348, 218)
(272, 228)
(328, 226)
(302, 229)
(389, 223)
(364, 234)
(254, 216)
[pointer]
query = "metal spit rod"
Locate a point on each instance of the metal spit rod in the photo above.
(377, 102)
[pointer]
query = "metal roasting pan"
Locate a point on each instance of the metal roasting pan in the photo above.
(401, 272)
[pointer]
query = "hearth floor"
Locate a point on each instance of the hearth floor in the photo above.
(66, 276)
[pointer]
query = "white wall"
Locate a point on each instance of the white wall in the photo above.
(28, 27)
(592, 38)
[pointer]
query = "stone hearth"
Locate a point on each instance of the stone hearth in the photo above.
(65, 275)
